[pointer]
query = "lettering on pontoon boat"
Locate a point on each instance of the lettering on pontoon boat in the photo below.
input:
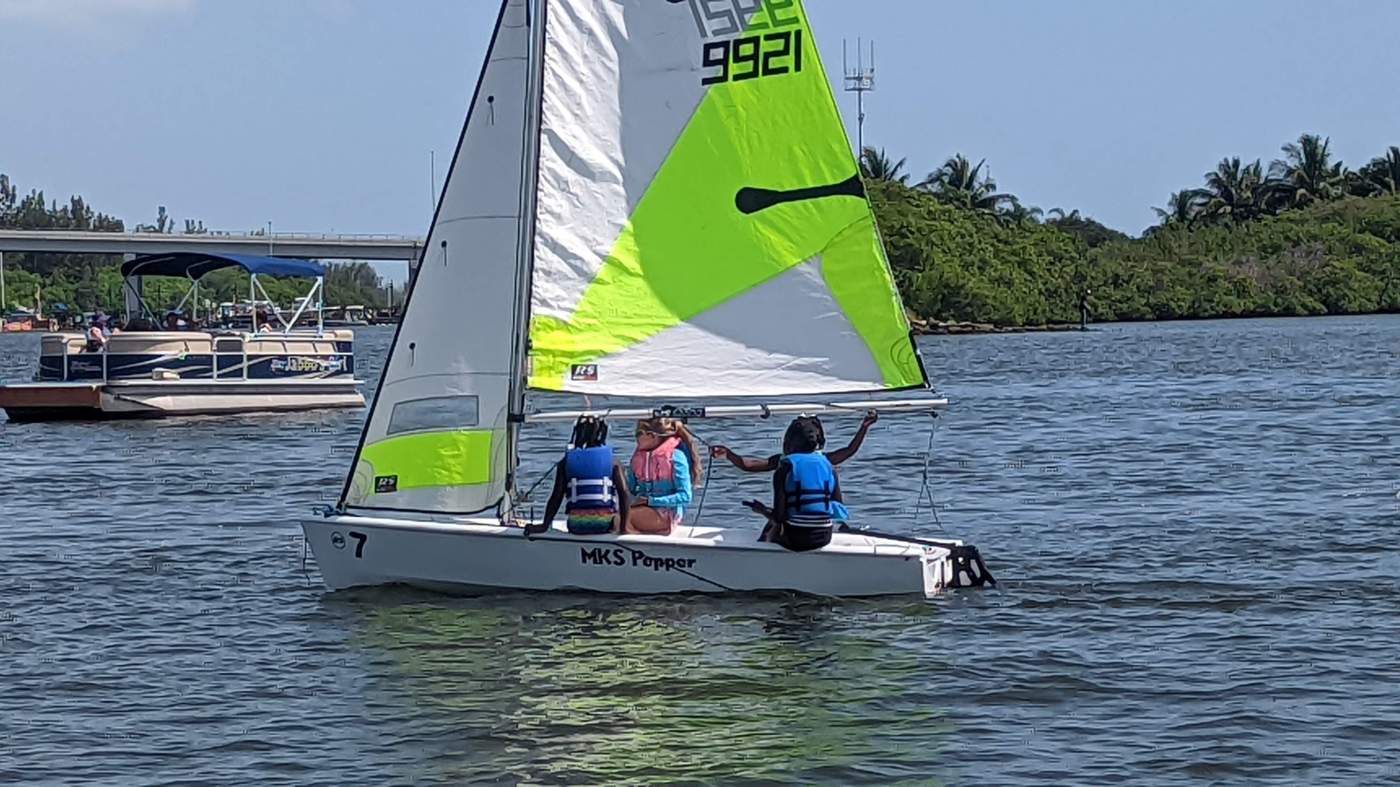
(297, 363)
(603, 556)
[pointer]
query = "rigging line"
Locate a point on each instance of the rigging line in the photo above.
(705, 487)
(709, 465)
(925, 487)
(525, 498)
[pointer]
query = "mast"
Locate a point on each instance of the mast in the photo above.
(525, 252)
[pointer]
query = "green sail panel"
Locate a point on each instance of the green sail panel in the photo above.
(701, 226)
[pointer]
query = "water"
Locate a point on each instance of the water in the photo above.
(1194, 525)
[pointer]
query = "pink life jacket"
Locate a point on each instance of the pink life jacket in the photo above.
(655, 471)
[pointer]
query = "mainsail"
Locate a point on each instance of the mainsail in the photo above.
(436, 438)
(701, 226)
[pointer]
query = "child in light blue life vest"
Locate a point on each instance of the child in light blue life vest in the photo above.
(806, 492)
(804, 422)
(590, 484)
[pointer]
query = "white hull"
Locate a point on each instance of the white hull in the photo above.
(198, 398)
(118, 399)
(480, 556)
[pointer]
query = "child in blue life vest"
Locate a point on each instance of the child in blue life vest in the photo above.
(662, 476)
(590, 484)
(809, 423)
(806, 492)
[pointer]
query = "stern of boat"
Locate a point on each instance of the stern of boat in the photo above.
(957, 566)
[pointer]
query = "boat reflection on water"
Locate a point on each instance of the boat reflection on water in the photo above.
(579, 690)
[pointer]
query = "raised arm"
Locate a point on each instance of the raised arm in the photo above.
(744, 463)
(842, 454)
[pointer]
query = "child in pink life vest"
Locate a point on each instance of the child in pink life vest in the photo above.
(661, 476)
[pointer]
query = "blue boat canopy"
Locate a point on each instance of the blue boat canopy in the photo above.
(196, 264)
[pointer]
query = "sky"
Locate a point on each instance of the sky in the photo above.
(323, 115)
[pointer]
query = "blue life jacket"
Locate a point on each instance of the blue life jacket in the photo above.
(811, 488)
(589, 474)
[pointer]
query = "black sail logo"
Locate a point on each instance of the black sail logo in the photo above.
(750, 200)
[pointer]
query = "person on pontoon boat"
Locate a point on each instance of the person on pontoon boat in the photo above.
(661, 476)
(589, 482)
(97, 333)
(173, 321)
(806, 492)
(770, 464)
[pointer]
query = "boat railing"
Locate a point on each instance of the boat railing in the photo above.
(215, 353)
(242, 352)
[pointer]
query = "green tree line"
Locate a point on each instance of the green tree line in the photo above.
(1303, 236)
(88, 282)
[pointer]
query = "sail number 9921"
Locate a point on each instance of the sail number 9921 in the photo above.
(751, 57)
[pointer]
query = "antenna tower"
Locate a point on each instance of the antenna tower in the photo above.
(859, 80)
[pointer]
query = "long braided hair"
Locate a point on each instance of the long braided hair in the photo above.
(589, 432)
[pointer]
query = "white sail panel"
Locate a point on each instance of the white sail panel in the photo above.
(765, 359)
(606, 134)
(692, 155)
(436, 438)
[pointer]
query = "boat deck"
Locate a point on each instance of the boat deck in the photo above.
(154, 398)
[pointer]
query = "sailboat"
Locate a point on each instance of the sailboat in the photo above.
(654, 199)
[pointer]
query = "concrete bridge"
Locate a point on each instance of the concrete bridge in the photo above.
(282, 244)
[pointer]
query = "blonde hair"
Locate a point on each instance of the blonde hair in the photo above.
(672, 427)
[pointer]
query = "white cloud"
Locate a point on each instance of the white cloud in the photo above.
(76, 13)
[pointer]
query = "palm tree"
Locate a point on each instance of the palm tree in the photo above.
(1016, 213)
(1183, 207)
(1306, 173)
(959, 183)
(875, 165)
(1235, 191)
(1380, 176)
